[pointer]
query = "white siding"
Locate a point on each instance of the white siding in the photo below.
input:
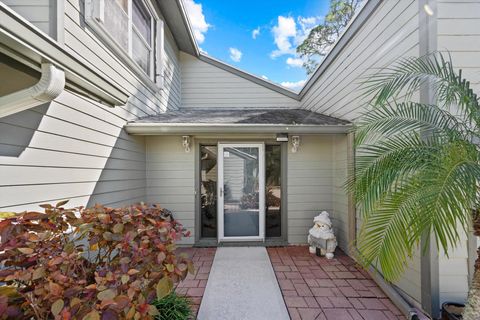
(391, 32)
(458, 28)
(171, 178)
(74, 148)
(41, 13)
(205, 85)
(310, 181)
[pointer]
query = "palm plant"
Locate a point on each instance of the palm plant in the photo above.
(417, 169)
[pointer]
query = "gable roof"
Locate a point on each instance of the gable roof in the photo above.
(177, 19)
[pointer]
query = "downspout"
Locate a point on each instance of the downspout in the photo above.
(50, 85)
(408, 310)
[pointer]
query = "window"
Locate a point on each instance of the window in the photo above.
(133, 30)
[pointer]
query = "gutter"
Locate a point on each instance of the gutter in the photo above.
(22, 41)
(195, 128)
(50, 85)
(409, 311)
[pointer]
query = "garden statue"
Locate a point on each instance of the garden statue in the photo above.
(321, 239)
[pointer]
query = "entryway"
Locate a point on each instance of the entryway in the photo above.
(241, 192)
(241, 196)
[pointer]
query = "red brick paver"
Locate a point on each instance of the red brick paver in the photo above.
(194, 285)
(317, 288)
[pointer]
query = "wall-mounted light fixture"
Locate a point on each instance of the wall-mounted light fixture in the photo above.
(295, 143)
(282, 137)
(186, 140)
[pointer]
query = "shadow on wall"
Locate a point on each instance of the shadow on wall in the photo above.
(17, 130)
(122, 180)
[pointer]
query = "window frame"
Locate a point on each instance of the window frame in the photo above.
(95, 18)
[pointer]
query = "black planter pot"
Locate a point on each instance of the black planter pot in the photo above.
(449, 314)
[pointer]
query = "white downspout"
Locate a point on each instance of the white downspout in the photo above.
(50, 85)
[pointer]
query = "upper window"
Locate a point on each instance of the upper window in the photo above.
(132, 27)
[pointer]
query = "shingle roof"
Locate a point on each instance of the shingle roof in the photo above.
(243, 116)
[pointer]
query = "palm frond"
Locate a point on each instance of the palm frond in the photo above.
(390, 119)
(408, 75)
(382, 165)
(436, 198)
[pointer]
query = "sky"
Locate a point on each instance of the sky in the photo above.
(259, 36)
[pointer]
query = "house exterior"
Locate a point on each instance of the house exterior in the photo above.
(112, 102)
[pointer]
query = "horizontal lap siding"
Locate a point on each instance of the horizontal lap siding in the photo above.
(309, 180)
(74, 148)
(205, 85)
(391, 32)
(458, 28)
(171, 180)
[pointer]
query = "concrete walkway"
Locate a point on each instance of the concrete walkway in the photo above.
(242, 285)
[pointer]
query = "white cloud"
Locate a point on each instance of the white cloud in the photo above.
(235, 54)
(288, 33)
(294, 62)
(197, 20)
(283, 32)
(294, 85)
(255, 33)
(264, 77)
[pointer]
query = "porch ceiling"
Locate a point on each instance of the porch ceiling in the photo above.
(238, 120)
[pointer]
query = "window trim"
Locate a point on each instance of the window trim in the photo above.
(94, 13)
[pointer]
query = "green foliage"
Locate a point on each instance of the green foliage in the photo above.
(173, 307)
(88, 263)
(417, 165)
(322, 37)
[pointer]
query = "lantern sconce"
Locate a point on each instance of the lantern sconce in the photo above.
(186, 143)
(295, 143)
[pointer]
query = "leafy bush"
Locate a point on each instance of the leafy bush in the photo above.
(173, 307)
(89, 263)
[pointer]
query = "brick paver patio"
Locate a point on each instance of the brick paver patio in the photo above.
(194, 285)
(316, 288)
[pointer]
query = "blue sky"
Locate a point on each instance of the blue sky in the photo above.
(257, 36)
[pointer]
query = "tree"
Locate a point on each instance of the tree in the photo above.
(322, 37)
(417, 166)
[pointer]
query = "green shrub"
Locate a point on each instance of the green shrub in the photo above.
(173, 307)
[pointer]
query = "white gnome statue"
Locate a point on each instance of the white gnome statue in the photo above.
(321, 236)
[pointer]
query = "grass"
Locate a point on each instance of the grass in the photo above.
(173, 307)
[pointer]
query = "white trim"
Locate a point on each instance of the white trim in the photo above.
(22, 41)
(50, 85)
(261, 192)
